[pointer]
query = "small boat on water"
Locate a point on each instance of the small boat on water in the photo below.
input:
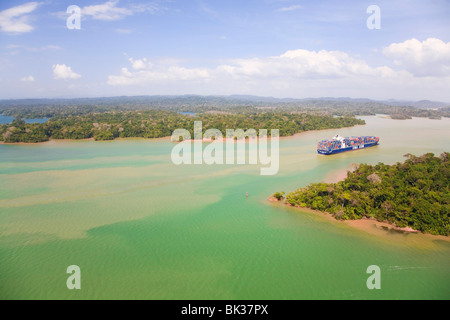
(340, 144)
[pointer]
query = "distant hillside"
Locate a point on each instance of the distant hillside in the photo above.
(48, 108)
(423, 104)
(214, 100)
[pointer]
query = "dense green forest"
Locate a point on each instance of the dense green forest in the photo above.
(49, 108)
(159, 116)
(413, 194)
(156, 123)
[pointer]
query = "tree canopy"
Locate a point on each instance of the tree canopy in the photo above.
(157, 124)
(413, 194)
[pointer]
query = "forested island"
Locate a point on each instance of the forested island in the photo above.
(158, 116)
(157, 123)
(414, 194)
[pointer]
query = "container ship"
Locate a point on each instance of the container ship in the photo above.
(339, 144)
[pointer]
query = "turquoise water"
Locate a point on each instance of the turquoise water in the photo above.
(188, 113)
(36, 120)
(140, 227)
(8, 120)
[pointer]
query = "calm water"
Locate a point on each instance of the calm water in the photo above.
(188, 113)
(8, 120)
(141, 228)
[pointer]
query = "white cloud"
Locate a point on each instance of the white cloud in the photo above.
(416, 59)
(303, 64)
(427, 58)
(63, 72)
(139, 64)
(111, 11)
(15, 20)
(146, 73)
(288, 67)
(151, 8)
(27, 79)
(290, 8)
(295, 73)
(32, 49)
(106, 11)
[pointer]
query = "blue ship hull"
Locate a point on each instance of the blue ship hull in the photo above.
(341, 150)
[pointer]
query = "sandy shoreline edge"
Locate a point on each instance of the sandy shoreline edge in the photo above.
(168, 139)
(83, 140)
(369, 225)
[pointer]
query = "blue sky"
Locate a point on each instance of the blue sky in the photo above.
(280, 48)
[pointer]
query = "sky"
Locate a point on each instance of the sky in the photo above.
(276, 48)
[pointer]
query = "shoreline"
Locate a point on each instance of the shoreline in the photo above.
(163, 138)
(169, 138)
(80, 140)
(339, 175)
(366, 225)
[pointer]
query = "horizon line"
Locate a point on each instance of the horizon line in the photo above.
(242, 96)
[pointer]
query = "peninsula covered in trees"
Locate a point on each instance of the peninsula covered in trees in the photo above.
(159, 116)
(157, 123)
(413, 194)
